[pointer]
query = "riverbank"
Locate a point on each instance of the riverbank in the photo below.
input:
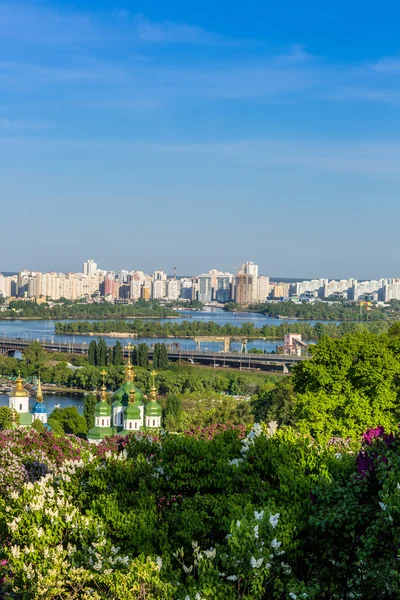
(89, 318)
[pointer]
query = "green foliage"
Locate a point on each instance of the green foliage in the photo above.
(140, 356)
(101, 355)
(89, 404)
(172, 413)
(117, 354)
(160, 357)
(69, 420)
(349, 385)
(38, 426)
(6, 418)
(275, 402)
(82, 310)
(264, 516)
(188, 329)
(35, 357)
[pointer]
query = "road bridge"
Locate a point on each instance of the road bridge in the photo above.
(265, 362)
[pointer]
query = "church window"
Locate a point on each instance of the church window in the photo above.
(130, 424)
(102, 422)
(135, 424)
(20, 407)
(154, 422)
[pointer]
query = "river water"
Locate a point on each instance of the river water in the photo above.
(52, 401)
(43, 330)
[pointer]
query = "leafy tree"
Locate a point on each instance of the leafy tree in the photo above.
(349, 385)
(69, 420)
(160, 356)
(89, 404)
(92, 353)
(38, 426)
(118, 354)
(34, 357)
(275, 402)
(141, 355)
(172, 412)
(101, 353)
(6, 417)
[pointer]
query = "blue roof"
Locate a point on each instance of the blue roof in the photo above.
(39, 407)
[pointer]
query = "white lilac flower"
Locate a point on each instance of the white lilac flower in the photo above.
(273, 519)
(256, 532)
(398, 486)
(259, 515)
(159, 562)
(272, 428)
(235, 461)
(382, 505)
(275, 544)
(256, 563)
(238, 524)
(210, 553)
(187, 597)
(293, 596)
(232, 578)
(187, 569)
(286, 568)
(338, 455)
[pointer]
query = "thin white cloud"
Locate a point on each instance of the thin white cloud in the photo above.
(7, 125)
(26, 23)
(170, 32)
(86, 71)
(369, 159)
(387, 65)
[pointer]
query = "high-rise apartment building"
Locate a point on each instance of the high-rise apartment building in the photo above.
(89, 267)
(249, 268)
(5, 286)
(244, 288)
(123, 276)
(205, 288)
(173, 289)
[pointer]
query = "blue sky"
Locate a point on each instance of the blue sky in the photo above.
(201, 134)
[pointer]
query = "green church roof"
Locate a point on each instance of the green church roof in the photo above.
(98, 433)
(102, 409)
(153, 409)
(122, 394)
(132, 411)
(25, 419)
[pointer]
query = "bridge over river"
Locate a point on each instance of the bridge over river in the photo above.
(265, 362)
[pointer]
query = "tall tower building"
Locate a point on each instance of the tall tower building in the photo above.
(89, 267)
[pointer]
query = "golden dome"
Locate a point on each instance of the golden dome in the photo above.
(19, 391)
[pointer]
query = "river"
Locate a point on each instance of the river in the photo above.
(43, 330)
(52, 400)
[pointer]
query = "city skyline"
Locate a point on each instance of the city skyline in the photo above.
(146, 130)
(245, 286)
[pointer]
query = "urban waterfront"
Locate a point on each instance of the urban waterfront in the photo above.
(43, 330)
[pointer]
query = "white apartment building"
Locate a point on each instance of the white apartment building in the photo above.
(262, 289)
(173, 289)
(89, 267)
(54, 286)
(5, 285)
(186, 288)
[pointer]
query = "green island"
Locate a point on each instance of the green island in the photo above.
(333, 311)
(188, 329)
(288, 492)
(65, 309)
